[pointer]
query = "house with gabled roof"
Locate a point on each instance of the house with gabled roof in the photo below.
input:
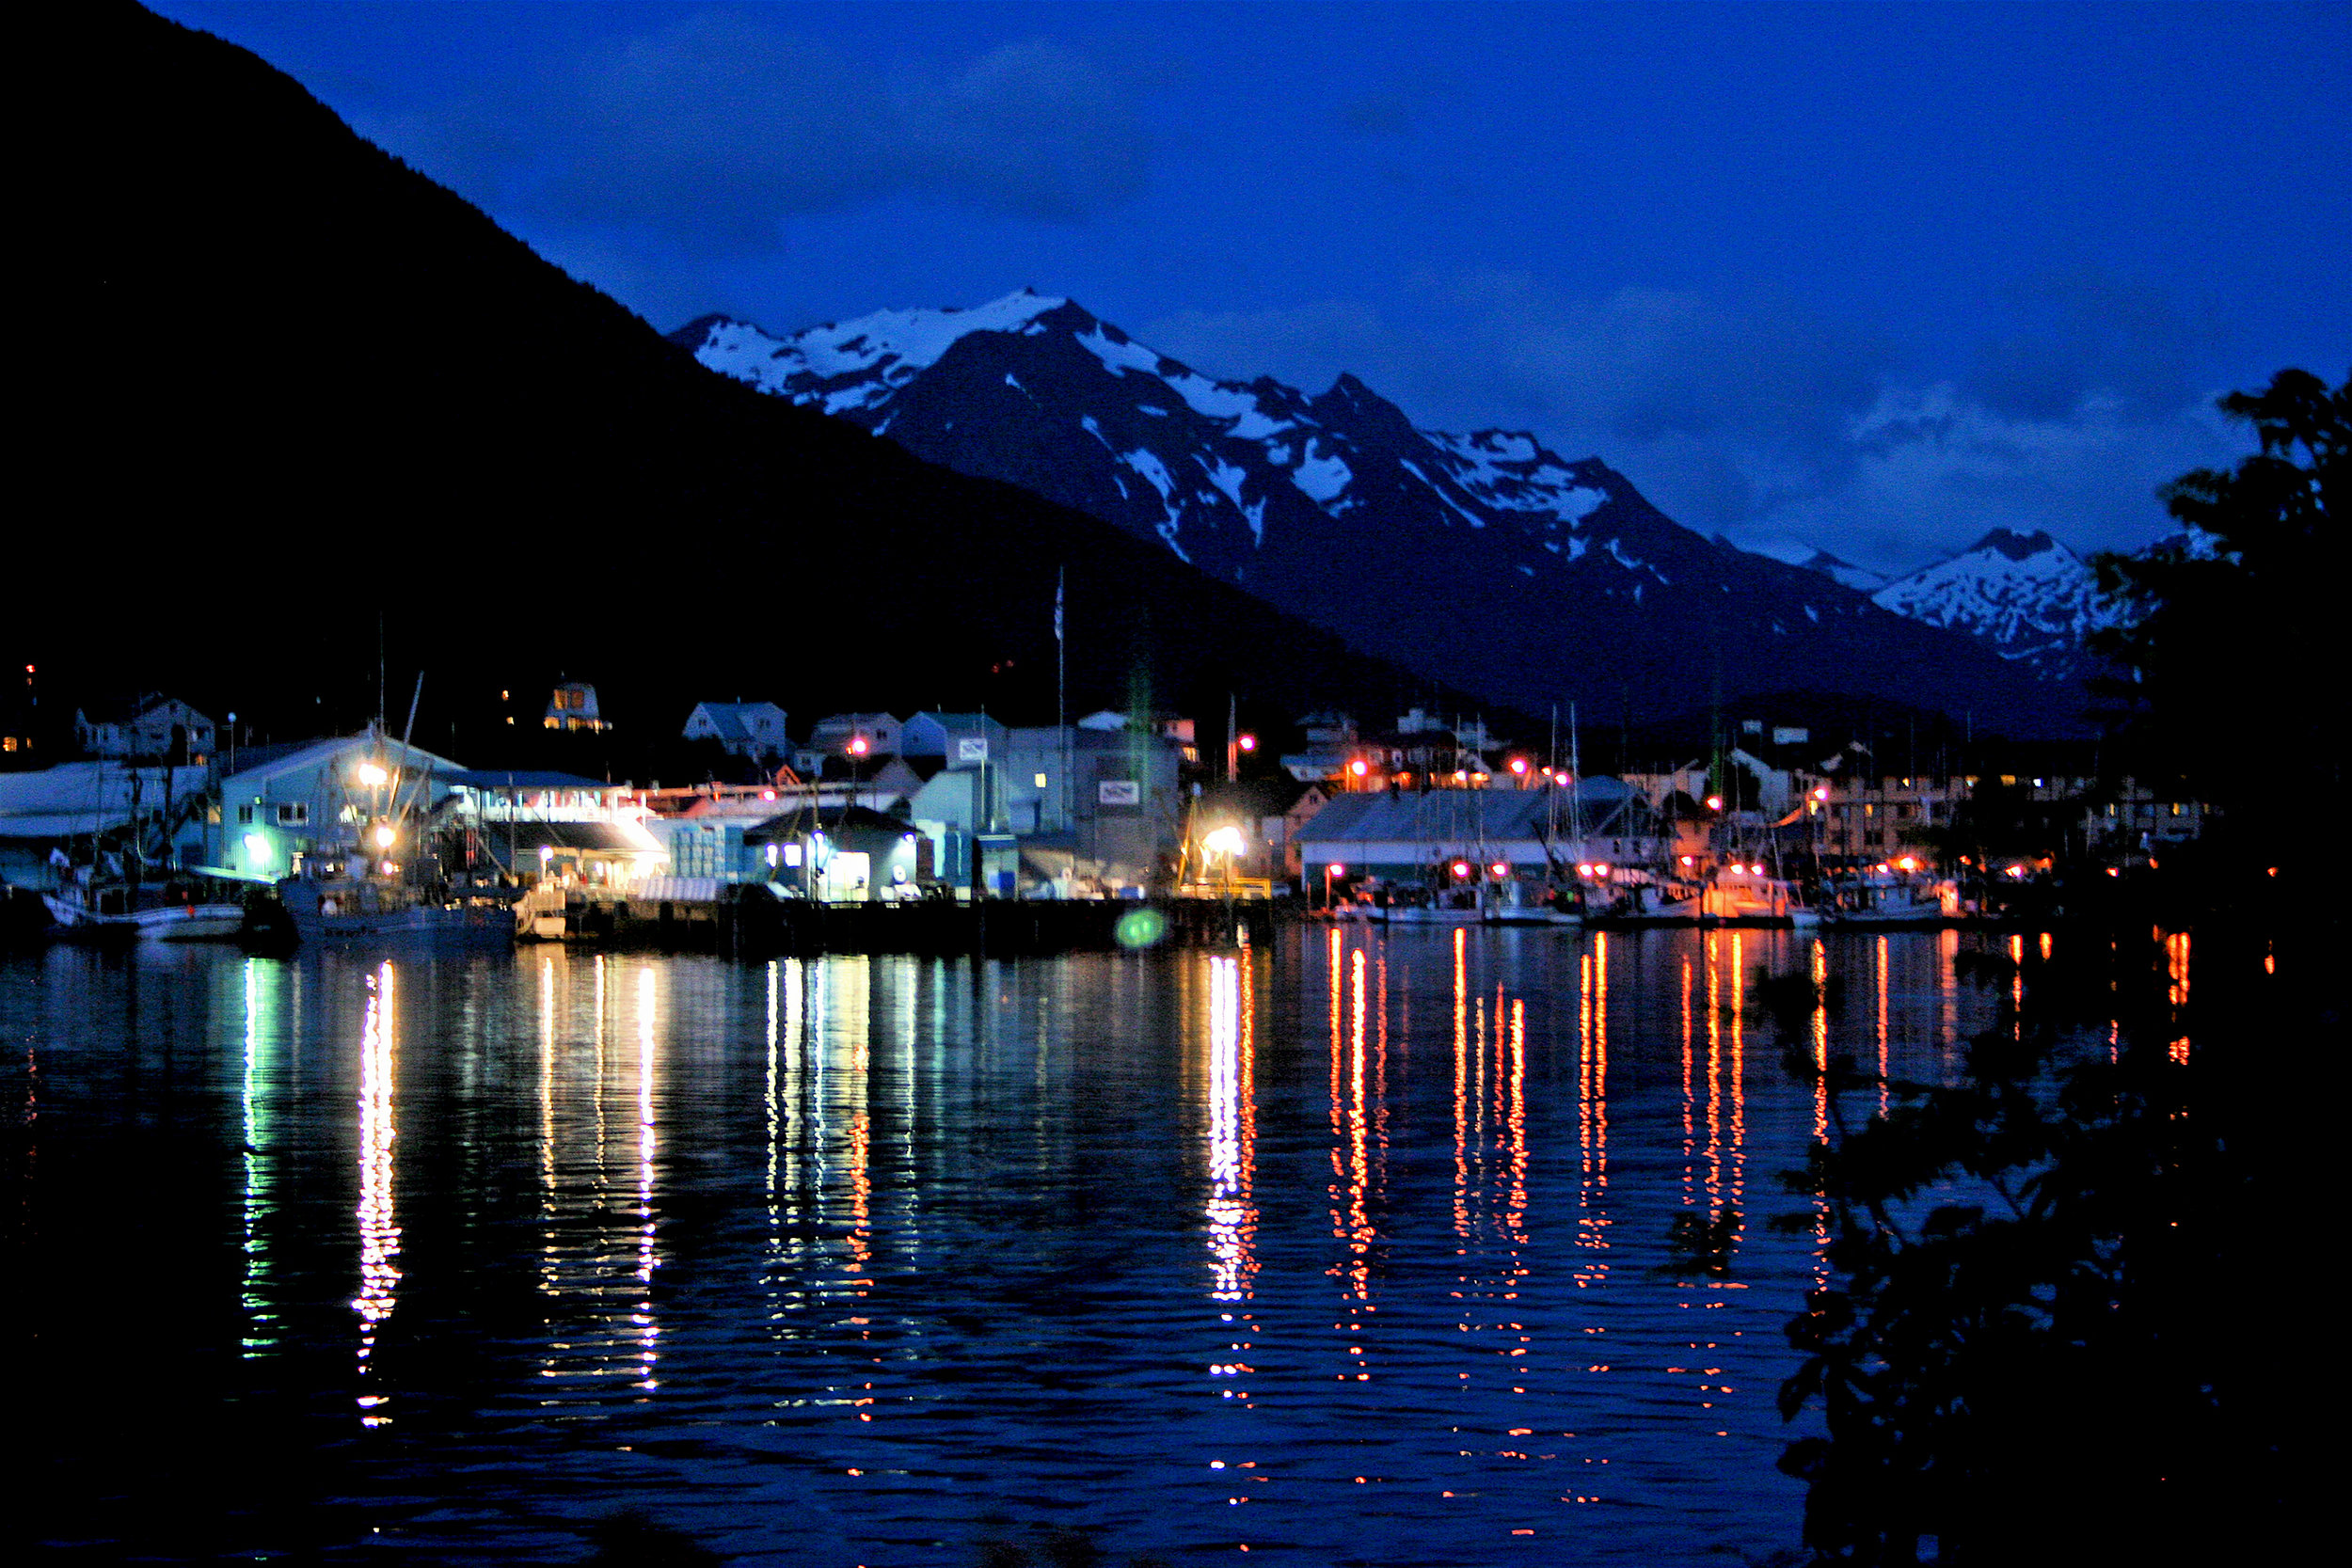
(744, 729)
(150, 725)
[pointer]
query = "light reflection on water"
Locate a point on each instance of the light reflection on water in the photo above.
(828, 1258)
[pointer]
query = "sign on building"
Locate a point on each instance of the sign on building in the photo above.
(972, 748)
(1118, 792)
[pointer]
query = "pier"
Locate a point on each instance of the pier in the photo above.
(746, 921)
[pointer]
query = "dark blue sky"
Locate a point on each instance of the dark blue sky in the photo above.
(1874, 277)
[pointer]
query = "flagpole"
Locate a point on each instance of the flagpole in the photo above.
(1061, 699)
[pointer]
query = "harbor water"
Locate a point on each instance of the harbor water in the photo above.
(1349, 1248)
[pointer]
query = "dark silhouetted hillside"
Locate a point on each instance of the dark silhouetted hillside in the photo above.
(285, 384)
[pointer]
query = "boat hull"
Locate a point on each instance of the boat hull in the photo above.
(166, 922)
(1408, 915)
(340, 915)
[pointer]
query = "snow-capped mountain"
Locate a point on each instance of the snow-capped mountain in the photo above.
(2030, 596)
(1482, 559)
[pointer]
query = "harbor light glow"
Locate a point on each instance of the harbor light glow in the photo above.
(1359, 768)
(1714, 803)
(1223, 841)
(256, 847)
(857, 746)
(1249, 742)
(371, 775)
(1518, 766)
(383, 835)
(1461, 868)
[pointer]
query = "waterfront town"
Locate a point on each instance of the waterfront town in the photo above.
(163, 811)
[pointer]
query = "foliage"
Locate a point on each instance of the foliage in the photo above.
(2024, 1354)
(2021, 1265)
(2231, 622)
(1997, 823)
(2037, 1343)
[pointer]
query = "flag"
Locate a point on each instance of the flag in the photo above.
(1057, 579)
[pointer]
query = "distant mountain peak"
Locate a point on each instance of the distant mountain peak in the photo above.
(2013, 546)
(2028, 596)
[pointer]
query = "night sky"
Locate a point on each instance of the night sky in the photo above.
(1868, 277)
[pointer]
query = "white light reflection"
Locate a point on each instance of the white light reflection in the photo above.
(258, 1198)
(1592, 1101)
(379, 1228)
(649, 1331)
(1232, 1134)
(1819, 973)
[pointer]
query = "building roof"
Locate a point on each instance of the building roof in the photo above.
(611, 838)
(728, 718)
(77, 798)
(517, 778)
(790, 826)
(317, 752)
(1460, 817)
(128, 711)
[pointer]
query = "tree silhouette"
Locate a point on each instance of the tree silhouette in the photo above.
(2233, 633)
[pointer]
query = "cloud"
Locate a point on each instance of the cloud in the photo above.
(711, 130)
(1780, 427)
(2067, 338)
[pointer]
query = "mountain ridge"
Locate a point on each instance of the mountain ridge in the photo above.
(1483, 557)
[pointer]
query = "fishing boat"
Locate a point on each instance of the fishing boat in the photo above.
(337, 910)
(1885, 899)
(150, 912)
(1452, 907)
(1639, 906)
(1743, 893)
(1556, 908)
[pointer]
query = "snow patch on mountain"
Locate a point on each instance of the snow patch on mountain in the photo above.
(846, 366)
(1321, 476)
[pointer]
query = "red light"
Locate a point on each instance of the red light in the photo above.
(1358, 768)
(857, 746)
(1248, 743)
(1461, 868)
(1518, 766)
(1500, 869)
